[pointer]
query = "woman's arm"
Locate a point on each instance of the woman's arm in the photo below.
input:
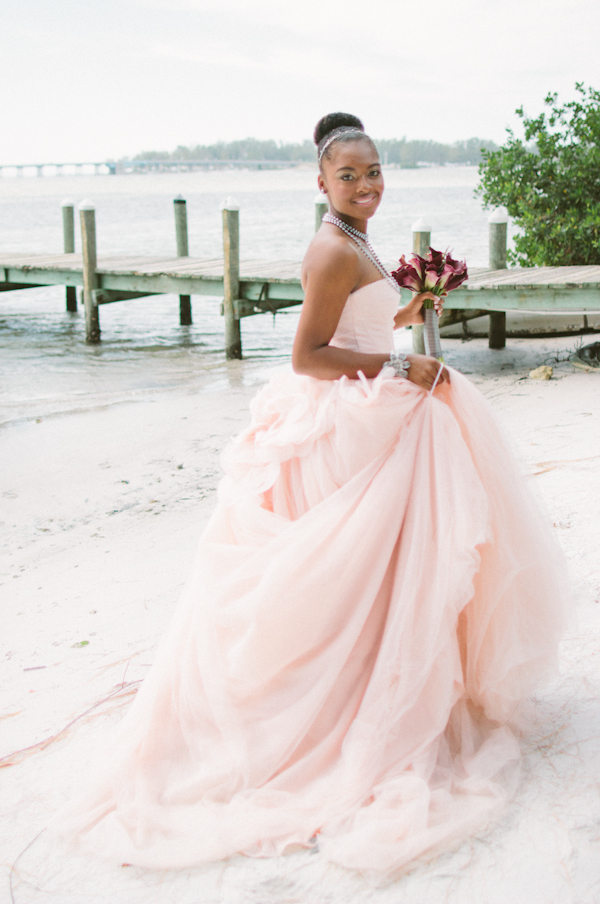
(332, 271)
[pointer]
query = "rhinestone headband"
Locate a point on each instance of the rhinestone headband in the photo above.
(336, 134)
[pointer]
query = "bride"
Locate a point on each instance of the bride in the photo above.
(372, 598)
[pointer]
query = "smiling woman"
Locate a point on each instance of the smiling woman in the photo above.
(373, 595)
(341, 261)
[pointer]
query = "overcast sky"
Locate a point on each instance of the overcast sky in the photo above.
(86, 80)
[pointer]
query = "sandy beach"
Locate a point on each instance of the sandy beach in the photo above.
(101, 512)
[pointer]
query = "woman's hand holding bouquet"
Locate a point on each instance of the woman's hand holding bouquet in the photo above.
(431, 278)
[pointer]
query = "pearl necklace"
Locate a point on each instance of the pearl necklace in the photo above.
(362, 240)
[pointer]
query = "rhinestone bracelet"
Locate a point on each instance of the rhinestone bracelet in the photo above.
(399, 362)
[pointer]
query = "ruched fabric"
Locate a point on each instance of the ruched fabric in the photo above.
(373, 596)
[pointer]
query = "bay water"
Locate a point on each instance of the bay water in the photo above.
(46, 367)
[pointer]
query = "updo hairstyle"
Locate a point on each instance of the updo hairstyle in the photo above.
(334, 128)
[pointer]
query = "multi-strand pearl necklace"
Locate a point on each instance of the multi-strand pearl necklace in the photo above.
(362, 240)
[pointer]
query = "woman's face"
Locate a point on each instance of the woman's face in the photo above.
(352, 179)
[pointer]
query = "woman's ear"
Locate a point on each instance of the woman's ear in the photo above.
(321, 184)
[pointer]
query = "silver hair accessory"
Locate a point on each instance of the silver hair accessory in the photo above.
(399, 362)
(362, 240)
(336, 134)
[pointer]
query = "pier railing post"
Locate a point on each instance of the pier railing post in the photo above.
(421, 231)
(321, 208)
(498, 223)
(68, 218)
(87, 215)
(231, 278)
(181, 237)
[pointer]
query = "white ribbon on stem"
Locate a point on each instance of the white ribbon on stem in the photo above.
(438, 375)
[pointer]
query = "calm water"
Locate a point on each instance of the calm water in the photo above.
(45, 366)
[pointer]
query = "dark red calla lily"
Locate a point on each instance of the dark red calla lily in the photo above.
(438, 273)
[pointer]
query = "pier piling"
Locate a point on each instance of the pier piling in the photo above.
(231, 278)
(498, 223)
(421, 231)
(181, 237)
(87, 215)
(321, 208)
(68, 218)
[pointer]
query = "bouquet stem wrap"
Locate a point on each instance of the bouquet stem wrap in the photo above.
(433, 345)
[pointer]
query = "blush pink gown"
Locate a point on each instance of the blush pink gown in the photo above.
(373, 596)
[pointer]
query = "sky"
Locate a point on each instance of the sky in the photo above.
(90, 80)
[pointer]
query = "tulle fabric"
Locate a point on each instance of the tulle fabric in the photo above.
(374, 595)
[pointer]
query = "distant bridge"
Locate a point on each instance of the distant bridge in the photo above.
(112, 167)
(58, 169)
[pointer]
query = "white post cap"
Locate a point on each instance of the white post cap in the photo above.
(229, 204)
(86, 205)
(421, 225)
(321, 198)
(499, 215)
(68, 202)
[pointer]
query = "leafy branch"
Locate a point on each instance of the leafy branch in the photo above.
(549, 181)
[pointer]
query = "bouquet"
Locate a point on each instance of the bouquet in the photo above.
(437, 273)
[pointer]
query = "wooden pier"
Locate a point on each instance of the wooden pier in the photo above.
(260, 286)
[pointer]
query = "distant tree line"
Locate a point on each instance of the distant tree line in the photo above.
(398, 150)
(244, 149)
(412, 153)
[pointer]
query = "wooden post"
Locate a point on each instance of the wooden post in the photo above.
(231, 278)
(498, 223)
(321, 208)
(68, 217)
(87, 215)
(181, 237)
(421, 231)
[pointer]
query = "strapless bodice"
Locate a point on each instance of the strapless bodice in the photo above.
(367, 321)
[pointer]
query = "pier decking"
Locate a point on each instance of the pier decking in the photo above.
(266, 286)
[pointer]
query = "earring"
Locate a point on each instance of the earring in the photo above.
(322, 191)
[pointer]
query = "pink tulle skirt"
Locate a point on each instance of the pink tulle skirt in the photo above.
(373, 597)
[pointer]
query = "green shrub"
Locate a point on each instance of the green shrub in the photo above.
(550, 183)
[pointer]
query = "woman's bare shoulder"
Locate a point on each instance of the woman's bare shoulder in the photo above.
(330, 256)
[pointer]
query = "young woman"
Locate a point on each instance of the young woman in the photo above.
(372, 598)
(337, 265)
